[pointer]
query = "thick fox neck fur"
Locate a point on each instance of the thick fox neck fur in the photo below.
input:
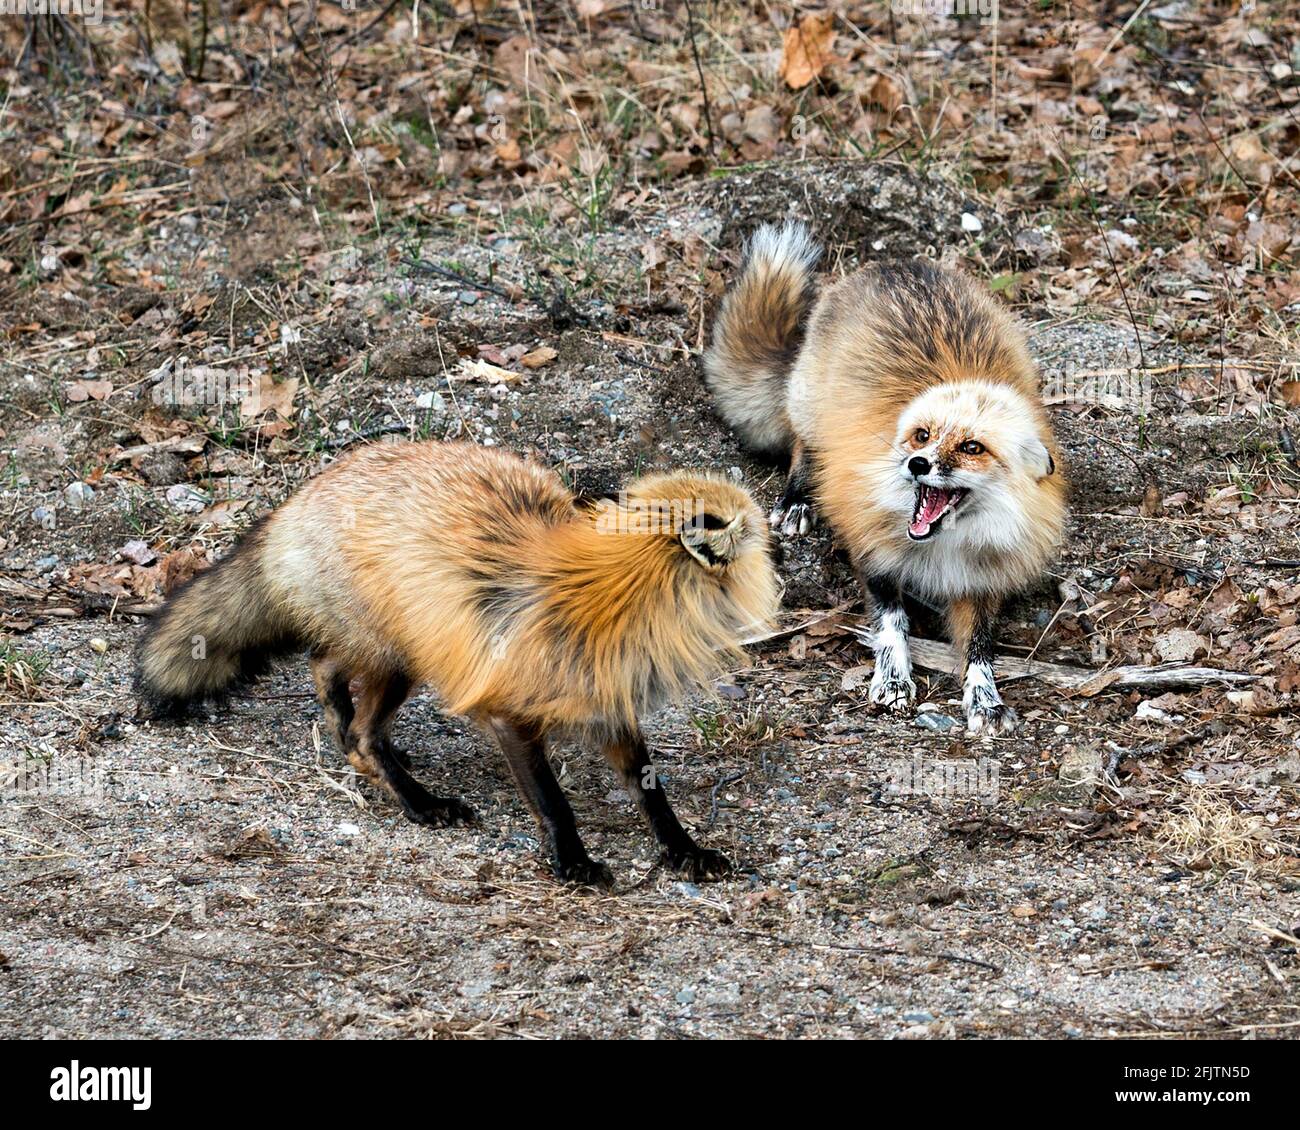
(1015, 515)
(611, 614)
(478, 573)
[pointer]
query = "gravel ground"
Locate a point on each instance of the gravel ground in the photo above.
(229, 878)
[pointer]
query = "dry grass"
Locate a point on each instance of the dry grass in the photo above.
(20, 672)
(739, 733)
(1207, 832)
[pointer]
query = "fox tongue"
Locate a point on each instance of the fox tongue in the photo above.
(933, 503)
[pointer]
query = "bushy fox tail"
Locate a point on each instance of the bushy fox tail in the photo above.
(219, 630)
(758, 333)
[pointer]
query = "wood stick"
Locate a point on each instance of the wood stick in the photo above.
(1083, 681)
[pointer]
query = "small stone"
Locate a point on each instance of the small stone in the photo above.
(971, 222)
(1180, 645)
(138, 552)
(940, 723)
(186, 498)
(45, 518)
(918, 1017)
(1037, 245)
(1080, 772)
(78, 495)
(1148, 712)
(162, 469)
(721, 995)
(349, 830)
(686, 996)
(730, 691)
(467, 298)
(855, 678)
(46, 564)
(99, 645)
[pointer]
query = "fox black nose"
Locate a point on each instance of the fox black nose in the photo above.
(919, 465)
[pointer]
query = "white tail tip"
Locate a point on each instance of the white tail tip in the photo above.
(790, 245)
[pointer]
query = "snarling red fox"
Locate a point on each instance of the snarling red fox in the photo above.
(908, 405)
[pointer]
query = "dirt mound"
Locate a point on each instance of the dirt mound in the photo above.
(869, 209)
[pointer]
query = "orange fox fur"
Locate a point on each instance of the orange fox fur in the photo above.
(479, 573)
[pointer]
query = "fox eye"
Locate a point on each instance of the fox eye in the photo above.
(972, 447)
(921, 435)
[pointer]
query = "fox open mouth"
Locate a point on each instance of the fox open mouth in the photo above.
(933, 504)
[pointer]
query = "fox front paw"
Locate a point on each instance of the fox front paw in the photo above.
(793, 520)
(584, 873)
(892, 690)
(991, 720)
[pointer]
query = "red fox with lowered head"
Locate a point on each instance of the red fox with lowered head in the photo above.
(908, 405)
(481, 574)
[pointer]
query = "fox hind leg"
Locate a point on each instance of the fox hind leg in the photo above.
(334, 695)
(371, 754)
(399, 686)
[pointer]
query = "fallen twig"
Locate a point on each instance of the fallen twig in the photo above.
(427, 268)
(870, 951)
(1084, 681)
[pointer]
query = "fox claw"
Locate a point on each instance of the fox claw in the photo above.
(794, 520)
(698, 863)
(990, 720)
(439, 812)
(893, 694)
(585, 873)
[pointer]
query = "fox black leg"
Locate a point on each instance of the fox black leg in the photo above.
(334, 696)
(396, 690)
(630, 759)
(370, 753)
(794, 514)
(891, 681)
(973, 623)
(526, 755)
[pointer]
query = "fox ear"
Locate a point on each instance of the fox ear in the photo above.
(711, 545)
(1039, 459)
